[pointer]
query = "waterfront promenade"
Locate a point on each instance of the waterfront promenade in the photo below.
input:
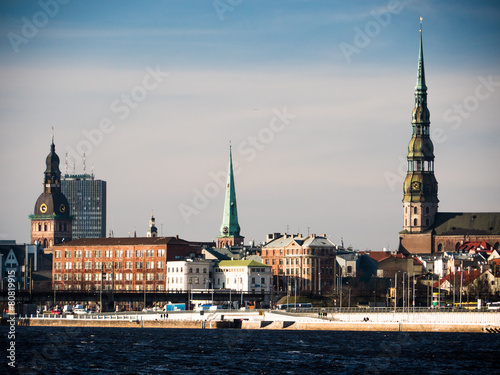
(355, 320)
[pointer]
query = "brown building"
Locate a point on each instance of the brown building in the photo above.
(307, 262)
(425, 230)
(51, 221)
(131, 263)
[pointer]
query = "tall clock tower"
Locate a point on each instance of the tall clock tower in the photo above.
(51, 221)
(420, 202)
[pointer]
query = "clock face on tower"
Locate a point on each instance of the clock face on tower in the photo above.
(225, 230)
(62, 208)
(43, 208)
(415, 185)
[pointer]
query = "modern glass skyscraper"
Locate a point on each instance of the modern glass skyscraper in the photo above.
(87, 200)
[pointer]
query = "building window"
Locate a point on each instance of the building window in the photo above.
(128, 265)
(57, 277)
(160, 264)
(88, 254)
(78, 253)
(440, 247)
(150, 253)
(118, 253)
(129, 276)
(67, 253)
(138, 253)
(88, 265)
(138, 277)
(78, 277)
(118, 276)
(138, 265)
(67, 265)
(108, 253)
(415, 210)
(426, 210)
(98, 253)
(160, 276)
(415, 222)
(129, 253)
(57, 254)
(160, 252)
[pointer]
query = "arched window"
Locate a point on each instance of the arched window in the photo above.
(414, 210)
(457, 245)
(440, 247)
(415, 222)
(426, 210)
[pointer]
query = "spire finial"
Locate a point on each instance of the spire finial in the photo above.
(421, 87)
(52, 135)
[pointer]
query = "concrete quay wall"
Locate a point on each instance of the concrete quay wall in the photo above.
(121, 323)
(466, 317)
(367, 326)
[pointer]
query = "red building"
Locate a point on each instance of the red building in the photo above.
(131, 263)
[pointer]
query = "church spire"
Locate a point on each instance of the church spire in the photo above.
(420, 187)
(230, 228)
(421, 87)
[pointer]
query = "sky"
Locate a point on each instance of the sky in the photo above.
(315, 98)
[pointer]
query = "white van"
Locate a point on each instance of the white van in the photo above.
(494, 306)
(79, 309)
(67, 309)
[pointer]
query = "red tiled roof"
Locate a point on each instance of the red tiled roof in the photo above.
(382, 255)
(474, 245)
(467, 278)
(124, 241)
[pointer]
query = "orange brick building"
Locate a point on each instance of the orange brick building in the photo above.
(308, 262)
(131, 263)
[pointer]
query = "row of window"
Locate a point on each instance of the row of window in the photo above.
(274, 252)
(181, 269)
(109, 265)
(109, 253)
(415, 210)
(128, 287)
(108, 277)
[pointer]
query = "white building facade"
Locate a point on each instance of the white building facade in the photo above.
(243, 276)
(185, 275)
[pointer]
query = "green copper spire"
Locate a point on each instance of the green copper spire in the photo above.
(421, 87)
(230, 226)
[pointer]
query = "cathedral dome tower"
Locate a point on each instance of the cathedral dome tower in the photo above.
(51, 221)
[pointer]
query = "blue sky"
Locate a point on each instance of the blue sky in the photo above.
(334, 166)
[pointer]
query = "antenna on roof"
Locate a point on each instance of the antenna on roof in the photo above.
(84, 163)
(66, 164)
(92, 170)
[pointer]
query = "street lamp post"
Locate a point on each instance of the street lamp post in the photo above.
(404, 273)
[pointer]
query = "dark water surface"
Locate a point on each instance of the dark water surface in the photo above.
(43, 350)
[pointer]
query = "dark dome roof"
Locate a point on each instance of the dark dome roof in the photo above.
(53, 203)
(52, 161)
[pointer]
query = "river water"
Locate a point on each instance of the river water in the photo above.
(59, 350)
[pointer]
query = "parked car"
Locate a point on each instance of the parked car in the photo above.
(68, 309)
(56, 311)
(79, 309)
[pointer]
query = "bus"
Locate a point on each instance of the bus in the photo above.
(296, 306)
